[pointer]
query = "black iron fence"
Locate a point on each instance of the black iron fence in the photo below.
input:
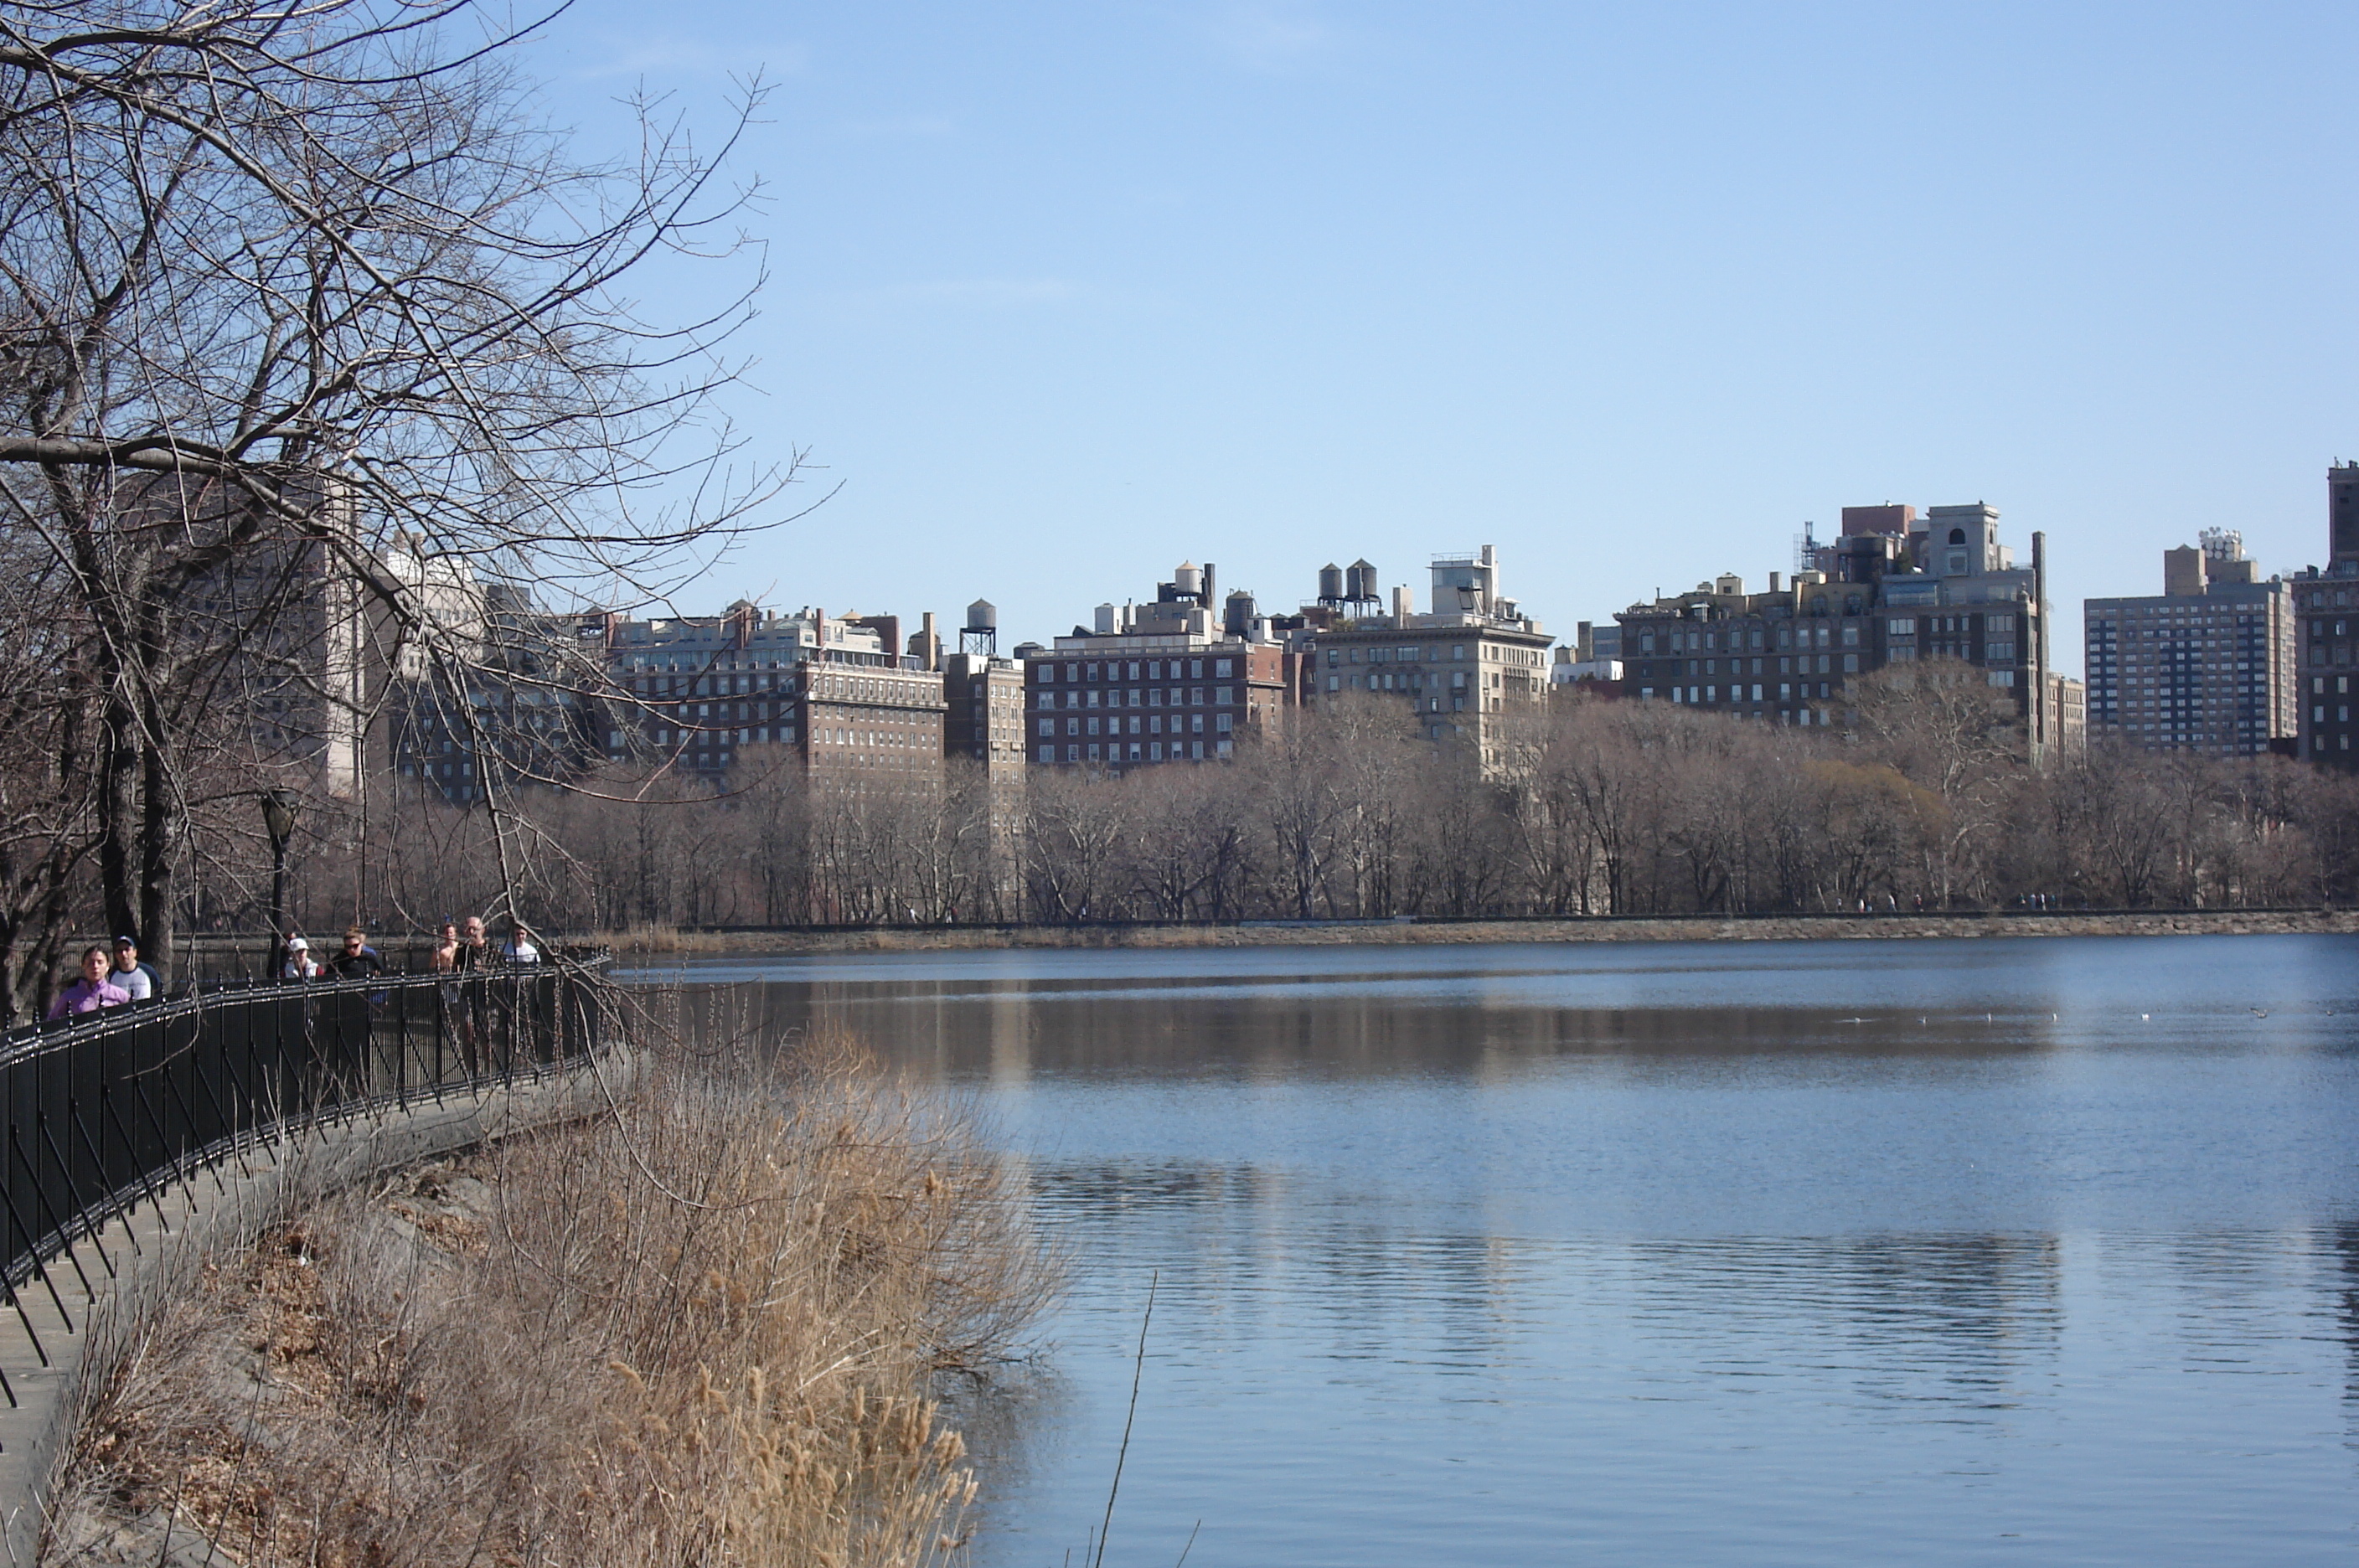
(115, 1107)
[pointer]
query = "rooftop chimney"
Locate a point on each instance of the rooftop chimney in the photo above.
(2183, 576)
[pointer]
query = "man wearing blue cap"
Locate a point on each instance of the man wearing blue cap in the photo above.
(140, 980)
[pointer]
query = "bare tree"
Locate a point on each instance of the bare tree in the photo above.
(1947, 732)
(280, 287)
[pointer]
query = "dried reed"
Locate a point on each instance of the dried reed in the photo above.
(702, 1329)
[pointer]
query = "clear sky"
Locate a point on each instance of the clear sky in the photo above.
(1061, 294)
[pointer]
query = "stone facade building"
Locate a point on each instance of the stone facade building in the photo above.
(1473, 658)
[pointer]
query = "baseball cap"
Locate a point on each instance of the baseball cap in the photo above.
(126, 942)
(295, 942)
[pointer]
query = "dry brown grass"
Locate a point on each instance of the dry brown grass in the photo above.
(703, 1329)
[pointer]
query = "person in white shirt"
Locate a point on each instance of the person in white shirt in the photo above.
(297, 964)
(520, 948)
(139, 979)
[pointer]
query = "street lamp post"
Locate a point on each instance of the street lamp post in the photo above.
(279, 817)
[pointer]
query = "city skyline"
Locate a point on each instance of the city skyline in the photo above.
(1632, 295)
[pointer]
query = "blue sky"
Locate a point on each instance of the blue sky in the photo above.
(1063, 293)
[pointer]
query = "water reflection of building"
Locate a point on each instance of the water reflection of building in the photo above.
(2345, 1240)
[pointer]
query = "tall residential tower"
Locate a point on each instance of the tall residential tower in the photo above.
(2205, 666)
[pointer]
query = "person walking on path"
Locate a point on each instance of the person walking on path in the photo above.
(138, 978)
(359, 960)
(93, 990)
(474, 947)
(295, 961)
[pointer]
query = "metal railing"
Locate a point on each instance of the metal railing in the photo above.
(111, 1108)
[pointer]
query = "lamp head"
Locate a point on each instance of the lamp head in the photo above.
(278, 813)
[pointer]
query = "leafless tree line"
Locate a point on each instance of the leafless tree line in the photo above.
(1594, 808)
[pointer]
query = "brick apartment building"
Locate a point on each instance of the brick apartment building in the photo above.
(831, 696)
(2326, 608)
(1156, 683)
(1893, 588)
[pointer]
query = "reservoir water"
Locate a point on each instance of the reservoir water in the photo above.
(2020, 1251)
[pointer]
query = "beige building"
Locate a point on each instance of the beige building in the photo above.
(983, 712)
(1461, 667)
(2068, 712)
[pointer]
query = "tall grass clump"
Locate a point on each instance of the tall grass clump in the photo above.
(703, 1328)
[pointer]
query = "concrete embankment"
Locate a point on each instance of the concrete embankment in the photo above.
(1314, 933)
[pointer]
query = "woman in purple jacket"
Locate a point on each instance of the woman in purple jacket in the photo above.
(93, 990)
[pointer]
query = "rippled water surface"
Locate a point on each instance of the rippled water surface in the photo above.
(1963, 1252)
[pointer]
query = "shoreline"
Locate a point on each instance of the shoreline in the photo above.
(1325, 934)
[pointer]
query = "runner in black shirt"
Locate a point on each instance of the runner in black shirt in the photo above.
(359, 960)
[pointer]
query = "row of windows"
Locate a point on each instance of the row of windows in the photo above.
(1531, 658)
(1785, 690)
(1193, 724)
(1406, 680)
(1796, 664)
(1139, 751)
(1698, 695)
(1112, 669)
(1906, 625)
(1738, 637)
(1155, 697)
(1701, 694)
(693, 662)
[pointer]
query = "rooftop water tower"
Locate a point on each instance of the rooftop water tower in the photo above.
(981, 633)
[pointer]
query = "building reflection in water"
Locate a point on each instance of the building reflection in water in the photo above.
(1998, 1259)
